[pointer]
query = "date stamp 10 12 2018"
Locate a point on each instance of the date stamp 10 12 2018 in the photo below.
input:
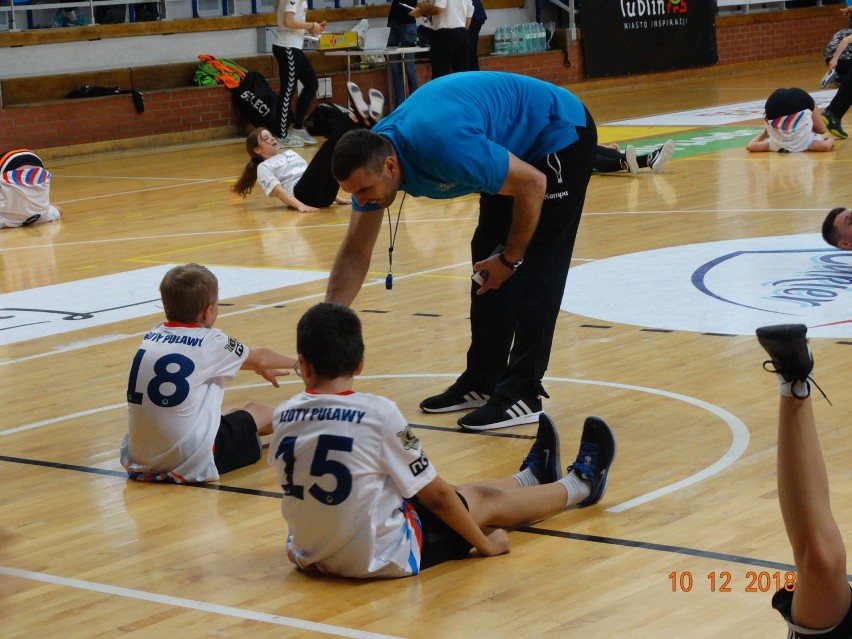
(724, 581)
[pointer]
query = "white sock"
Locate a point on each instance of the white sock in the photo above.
(785, 389)
(802, 389)
(578, 489)
(526, 478)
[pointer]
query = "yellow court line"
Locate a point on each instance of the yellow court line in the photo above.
(608, 134)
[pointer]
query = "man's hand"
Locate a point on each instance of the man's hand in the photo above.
(497, 273)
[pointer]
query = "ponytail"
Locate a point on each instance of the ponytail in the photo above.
(245, 183)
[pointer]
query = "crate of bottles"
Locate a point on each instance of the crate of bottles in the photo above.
(520, 38)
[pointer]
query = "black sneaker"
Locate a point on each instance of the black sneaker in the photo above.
(499, 413)
(789, 354)
(543, 458)
(456, 397)
(833, 124)
(597, 450)
(658, 157)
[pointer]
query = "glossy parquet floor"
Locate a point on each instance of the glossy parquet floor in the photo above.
(688, 539)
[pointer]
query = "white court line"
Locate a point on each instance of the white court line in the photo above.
(193, 604)
(275, 229)
(265, 229)
(185, 180)
(739, 442)
(150, 189)
(63, 418)
(65, 348)
(739, 432)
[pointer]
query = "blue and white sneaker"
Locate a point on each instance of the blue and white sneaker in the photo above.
(597, 450)
(543, 458)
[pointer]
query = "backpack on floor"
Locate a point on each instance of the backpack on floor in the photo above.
(325, 119)
(256, 100)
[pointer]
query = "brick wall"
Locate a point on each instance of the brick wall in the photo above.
(198, 113)
(86, 121)
(758, 37)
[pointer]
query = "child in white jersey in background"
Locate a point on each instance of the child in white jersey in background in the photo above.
(792, 123)
(25, 190)
(306, 187)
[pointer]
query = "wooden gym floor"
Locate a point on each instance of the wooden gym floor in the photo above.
(688, 539)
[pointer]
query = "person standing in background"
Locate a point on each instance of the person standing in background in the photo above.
(838, 57)
(403, 33)
(476, 21)
(294, 67)
(448, 48)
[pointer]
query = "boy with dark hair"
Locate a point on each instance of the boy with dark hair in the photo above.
(837, 228)
(361, 498)
(176, 430)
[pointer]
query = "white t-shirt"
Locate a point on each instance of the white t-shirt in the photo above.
(293, 38)
(174, 402)
(792, 133)
(454, 14)
(25, 197)
(346, 462)
(284, 169)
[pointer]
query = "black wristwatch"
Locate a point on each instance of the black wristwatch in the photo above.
(507, 263)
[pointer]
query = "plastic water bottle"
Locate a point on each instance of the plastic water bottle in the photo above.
(529, 38)
(542, 37)
(517, 39)
(501, 40)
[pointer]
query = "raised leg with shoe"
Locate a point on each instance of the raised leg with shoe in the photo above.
(789, 357)
(367, 114)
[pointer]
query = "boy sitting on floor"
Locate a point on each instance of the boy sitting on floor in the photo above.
(177, 432)
(361, 498)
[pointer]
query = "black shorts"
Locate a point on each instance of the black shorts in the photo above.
(440, 542)
(782, 601)
(237, 443)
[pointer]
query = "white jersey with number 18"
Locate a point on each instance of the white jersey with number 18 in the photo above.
(174, 402)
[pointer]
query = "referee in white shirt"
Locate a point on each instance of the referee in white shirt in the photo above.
(448, 46)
